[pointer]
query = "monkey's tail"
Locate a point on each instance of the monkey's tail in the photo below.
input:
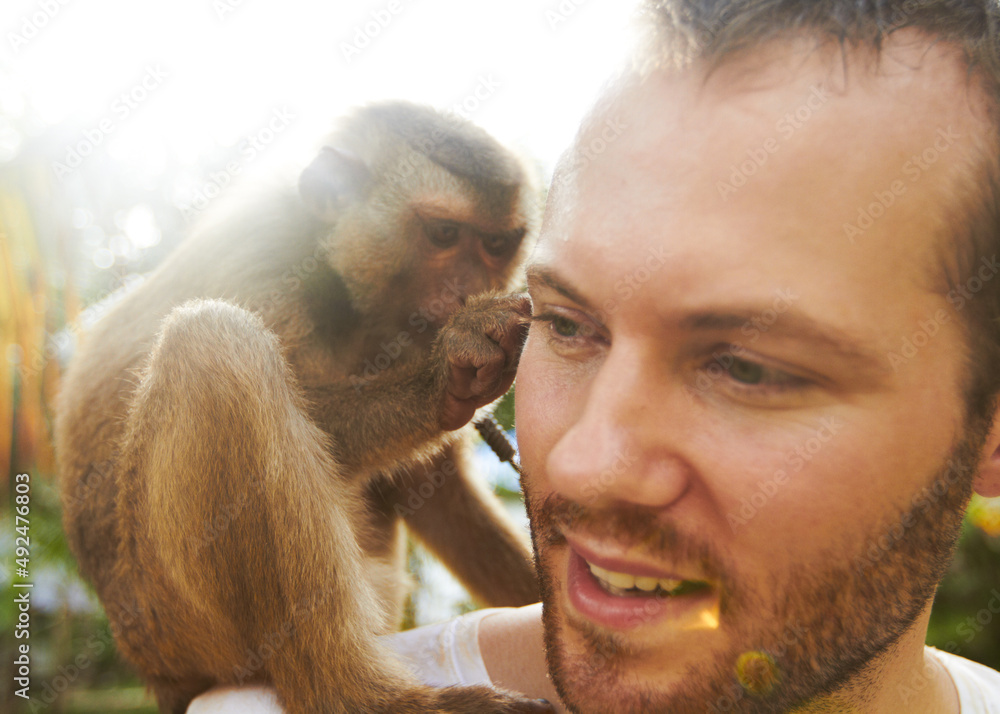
(497, 440)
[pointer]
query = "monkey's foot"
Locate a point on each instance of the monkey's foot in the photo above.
(486, 700)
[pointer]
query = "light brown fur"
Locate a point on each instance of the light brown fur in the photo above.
(237, 437)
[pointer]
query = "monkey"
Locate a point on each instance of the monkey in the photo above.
(241, 437)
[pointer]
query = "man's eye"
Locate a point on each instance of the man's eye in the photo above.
(566, 330)
(564, 327)
(749, 372)
(754, 378)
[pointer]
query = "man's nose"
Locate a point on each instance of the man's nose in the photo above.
(625, 446)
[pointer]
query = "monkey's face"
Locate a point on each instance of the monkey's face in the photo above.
(411, 270)
(457, 255)
(414, 233)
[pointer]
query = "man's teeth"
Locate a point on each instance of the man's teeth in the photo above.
(618, 583)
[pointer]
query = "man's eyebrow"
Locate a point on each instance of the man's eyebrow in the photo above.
(791, 324)
(787, 324)
(548, 278)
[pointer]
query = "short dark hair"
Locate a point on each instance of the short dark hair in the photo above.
(715, 31)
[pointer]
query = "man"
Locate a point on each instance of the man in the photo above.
(743, 486)
(760, 385)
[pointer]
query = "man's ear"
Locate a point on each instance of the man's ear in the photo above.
(987, 482)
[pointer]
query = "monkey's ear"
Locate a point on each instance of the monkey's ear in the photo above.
(332, 179)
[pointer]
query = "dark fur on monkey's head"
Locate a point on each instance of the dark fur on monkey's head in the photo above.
(391, 165)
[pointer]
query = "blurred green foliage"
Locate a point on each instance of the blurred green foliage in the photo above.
(966, 615)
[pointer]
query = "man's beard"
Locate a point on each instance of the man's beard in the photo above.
(810, 632)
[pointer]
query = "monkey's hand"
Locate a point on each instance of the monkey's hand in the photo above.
(477, 351)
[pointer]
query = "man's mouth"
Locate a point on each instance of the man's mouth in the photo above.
(625, 585)
(622, 594)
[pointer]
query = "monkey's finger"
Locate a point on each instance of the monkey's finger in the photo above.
(476, 372)
(488, 377)
(467, 391)
(456, 413)
(493, 381)
(511, 341)
(463, 382)
(510, 329)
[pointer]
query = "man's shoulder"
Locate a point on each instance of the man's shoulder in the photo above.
(978, 685)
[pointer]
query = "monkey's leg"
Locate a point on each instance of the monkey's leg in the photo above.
(466, 526)
(238, 536)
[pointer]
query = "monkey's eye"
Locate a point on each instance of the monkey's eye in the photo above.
(443, 235)
(497, 244)
(502, 244)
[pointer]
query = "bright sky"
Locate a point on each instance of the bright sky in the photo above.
(177, 77)
(152, 81)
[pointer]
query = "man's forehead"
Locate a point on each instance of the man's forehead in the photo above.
(925, 73)
(858, 102)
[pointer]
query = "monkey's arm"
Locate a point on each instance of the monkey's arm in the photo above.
(378, 422)
(466, 526)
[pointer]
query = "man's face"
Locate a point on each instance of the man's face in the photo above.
(739, 407)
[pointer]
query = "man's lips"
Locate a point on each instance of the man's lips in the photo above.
(623, 564)
(687, 603)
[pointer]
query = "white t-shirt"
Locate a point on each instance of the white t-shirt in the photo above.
(978, 686)
(448, 654)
